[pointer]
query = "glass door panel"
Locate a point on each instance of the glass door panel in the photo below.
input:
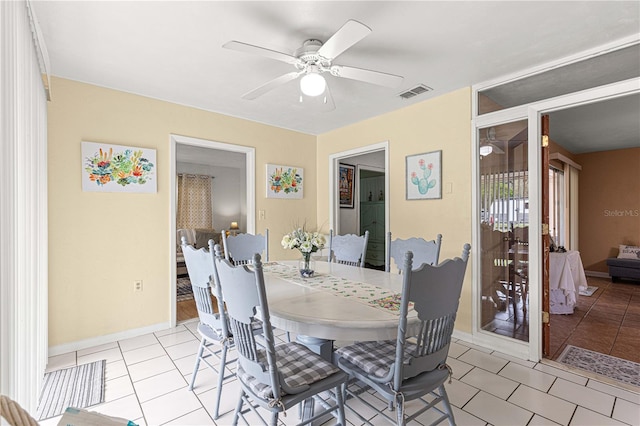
(504, 229)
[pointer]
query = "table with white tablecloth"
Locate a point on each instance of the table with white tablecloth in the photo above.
(566, 278)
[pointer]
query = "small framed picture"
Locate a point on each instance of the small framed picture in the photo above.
(347, 185)
(424, 176)
(285, 182)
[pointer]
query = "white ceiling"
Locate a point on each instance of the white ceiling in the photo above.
(172, 50)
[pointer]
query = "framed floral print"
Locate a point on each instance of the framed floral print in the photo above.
(285, 182)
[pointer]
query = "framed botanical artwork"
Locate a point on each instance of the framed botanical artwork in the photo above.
(117, 168)
(285, 182)
(424, 176)
(346, 182)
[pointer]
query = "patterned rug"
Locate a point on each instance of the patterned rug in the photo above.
(78, 387)
(607, 365)
(184, 289)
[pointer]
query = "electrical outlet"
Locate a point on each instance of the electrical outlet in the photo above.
(137, 285)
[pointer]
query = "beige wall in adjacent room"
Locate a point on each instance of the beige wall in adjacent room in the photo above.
(99, 243)
(609, 204)
(442, 123)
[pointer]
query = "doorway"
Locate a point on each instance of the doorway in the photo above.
(603, 318)
(372, 218)
(367, 161)
(232, 169)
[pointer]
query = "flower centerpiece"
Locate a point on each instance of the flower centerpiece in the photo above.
(308, 243)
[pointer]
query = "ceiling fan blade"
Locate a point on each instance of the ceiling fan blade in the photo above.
(250, 48)
(270, 85)
(374, 77)
(348, 35)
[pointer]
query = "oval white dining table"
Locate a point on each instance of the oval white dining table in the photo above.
(332, 315)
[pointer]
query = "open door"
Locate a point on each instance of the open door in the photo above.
(544, 146)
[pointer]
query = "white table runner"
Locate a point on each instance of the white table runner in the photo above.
(368, 294)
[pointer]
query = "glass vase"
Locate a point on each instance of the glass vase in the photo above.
(306, 265)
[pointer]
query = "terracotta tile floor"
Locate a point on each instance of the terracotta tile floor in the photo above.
(607, 322)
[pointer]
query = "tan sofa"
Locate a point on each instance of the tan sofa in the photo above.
(197, 238)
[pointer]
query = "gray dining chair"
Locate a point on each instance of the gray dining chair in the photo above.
(349, 249)
(413, 366)
(215, 339)
(272, 377)
(240, 248)
(423, 251)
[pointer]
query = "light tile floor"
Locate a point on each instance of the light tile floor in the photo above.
(147, 379)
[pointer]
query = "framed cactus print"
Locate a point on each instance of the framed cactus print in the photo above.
(424, 176)
(285, 182)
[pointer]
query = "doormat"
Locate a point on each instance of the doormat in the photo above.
(588, 291)
(184, 290)
(615, 368)
(79, 387)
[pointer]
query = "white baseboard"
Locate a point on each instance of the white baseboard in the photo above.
(597, 274)
(107, 338)
(462, 335)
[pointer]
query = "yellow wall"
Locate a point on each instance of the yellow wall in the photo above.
(99, 243)
(443, 123)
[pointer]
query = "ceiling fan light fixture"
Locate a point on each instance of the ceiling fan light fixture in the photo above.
(313, 84)
(486, 150)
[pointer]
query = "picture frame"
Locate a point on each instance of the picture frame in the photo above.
(285, 182)
(346, 185)
(117, 168)
(424, 176)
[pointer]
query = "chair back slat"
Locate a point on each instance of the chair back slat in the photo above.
(423, 251)
(434, 291)
(348, 249)
(200, 269)
(244, 340)
(240, 248)
(244, 293)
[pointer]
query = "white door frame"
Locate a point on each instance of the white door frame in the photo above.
(533, 112)
(250, 155)
(334, 196)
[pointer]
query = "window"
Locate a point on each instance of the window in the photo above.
(557, 206)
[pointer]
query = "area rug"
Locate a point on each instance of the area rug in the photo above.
(588, 291)
(184, 290)
(606, 365)
(79, 387)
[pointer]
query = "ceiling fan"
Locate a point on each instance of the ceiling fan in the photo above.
(315, 58)
(489, 145)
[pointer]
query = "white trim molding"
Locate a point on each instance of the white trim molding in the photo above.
(250, 166)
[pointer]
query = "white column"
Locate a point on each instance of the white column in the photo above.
(23, 208)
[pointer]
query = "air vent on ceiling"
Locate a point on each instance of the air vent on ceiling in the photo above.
(419, 89)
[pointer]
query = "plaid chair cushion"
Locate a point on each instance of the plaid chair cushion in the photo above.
(298, 365)
(375, 357)
(255, 325)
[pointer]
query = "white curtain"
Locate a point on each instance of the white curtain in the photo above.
(574, 174)
(23, 206)
(194, 202)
